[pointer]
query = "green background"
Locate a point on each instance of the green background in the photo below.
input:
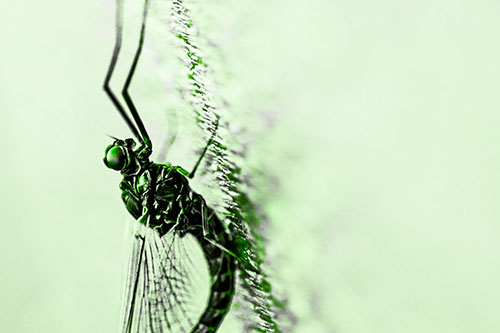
(378, 119)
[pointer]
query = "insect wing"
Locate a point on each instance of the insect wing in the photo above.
(168, 284)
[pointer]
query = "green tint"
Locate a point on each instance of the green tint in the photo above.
(116, 158)
(372, 143)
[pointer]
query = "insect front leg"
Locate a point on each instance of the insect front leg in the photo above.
(125, 93)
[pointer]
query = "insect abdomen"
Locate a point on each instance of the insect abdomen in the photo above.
(221, 265)
(222, 290)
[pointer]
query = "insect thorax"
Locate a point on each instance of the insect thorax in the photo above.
(173, 202)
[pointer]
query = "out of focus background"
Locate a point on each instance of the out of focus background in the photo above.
(375, 124)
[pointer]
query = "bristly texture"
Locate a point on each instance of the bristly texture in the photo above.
(242, 219)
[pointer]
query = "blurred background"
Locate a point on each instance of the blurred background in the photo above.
(375, 124)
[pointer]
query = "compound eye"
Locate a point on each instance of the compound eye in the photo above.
(116, 158)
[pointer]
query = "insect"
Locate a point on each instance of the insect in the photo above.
(159, 197)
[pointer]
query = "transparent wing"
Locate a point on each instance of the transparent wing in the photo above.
(168, 283)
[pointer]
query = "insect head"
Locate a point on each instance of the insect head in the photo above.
(120, 156)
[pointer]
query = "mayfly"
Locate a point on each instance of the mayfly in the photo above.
(159, 197)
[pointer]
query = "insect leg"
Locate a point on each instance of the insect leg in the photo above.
(191, 174)
(171, 136)
(111, 68)
(214, 243)
(204, 221)
(125, 93)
